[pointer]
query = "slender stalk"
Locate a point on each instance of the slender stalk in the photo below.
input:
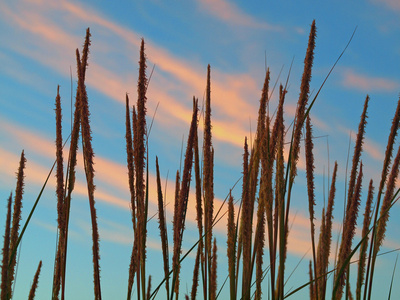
(6, 252)
(312, 282)
(351, 212)
(199, 208)
(195, 281)
(259, 246)
(175, 221)
(326, 235)
(88, 161)
(213, 281)
(245, 229)
(384, 215)
(311, 196)
(60, 198)
(208, 179)
(183, 198)
(70, 181)
(231, 250)
(133, 264)
(163, 229)
(357, 153)
(19, 190)
(349, 227)
(35, 282)
(301, 104)
(129, 158)
(364, 245)
(295, 144)
(385, 171)
(139, 137)
(148, 288)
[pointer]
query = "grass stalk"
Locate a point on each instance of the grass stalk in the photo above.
(364, 245)
(231, 249)
(130, 164)
(349, 227)
(163, 229)
(88, 161)
(16, 218)
(195, 281)
(326, 236)
(213, 281)
(208, 181)
(311, 195)
(6, 252)
(180, 219)
(60, 198)
(385, 171)
(35, 282)
(384, 215)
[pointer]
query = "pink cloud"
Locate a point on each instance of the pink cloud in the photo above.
(373, 149)
(232, 89)
(392, 4)
(370, 147)
(365, 83)
(231, 14)
(36, 174)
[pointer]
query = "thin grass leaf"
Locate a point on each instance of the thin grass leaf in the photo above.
(391, 281)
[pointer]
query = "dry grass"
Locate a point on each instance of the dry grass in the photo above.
(267, 184)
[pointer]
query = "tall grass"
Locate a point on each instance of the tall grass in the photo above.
(256, 223)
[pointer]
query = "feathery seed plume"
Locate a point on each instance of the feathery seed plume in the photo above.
(35, 282)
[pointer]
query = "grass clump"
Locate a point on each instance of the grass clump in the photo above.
(256, 223)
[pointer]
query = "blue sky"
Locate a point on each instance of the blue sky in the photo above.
(37, 52)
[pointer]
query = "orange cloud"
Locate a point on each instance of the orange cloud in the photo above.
(231, 14)
(373, 149)
(364, 83)
(392, 4)
(370, 147)
(115, 175)
(232, 89)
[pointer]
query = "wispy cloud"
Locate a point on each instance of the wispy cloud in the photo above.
(174, 75)
(373, 149)
(366, 83)
(392, 4)
(112, 232)
(231, 14)
(36, 145)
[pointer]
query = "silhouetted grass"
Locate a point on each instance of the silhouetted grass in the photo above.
(262, 219)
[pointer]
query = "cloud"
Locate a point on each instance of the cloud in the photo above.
(229, 92)
(353, 80)
(36, 145)
(373, 149)
(370, 147)
(36, 174)
(231, 14)
(391, 4)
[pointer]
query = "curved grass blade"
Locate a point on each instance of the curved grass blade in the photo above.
(391, 282)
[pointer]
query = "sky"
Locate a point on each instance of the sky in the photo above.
(38, 39)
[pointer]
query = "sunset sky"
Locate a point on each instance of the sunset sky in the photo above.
(38, 39)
